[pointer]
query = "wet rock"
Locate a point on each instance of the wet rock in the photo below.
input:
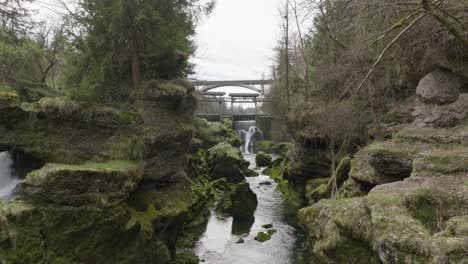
(251, 173)
(98, 184)
(262, 159)
(186, 258)
(440, 87)
(267, 226)
(240, 241)
(262, 237)
(265, 183)
(244, 202)
(277, 162)
(272, 231)
(226, 161)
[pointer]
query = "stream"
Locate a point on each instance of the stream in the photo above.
(218, 245)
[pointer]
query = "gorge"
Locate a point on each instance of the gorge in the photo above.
(121, 143)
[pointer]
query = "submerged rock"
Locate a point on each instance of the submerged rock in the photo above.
(262, 237)
(262, 159)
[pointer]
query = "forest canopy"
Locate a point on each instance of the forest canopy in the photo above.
(100, 50)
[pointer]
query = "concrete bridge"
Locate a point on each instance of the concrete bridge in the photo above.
(272, 127)
(206, 86)
(208, 96)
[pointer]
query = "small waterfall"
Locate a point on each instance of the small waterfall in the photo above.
(249, 138)
(8, 181)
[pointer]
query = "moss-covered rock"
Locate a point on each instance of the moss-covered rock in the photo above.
(209, 133)
(186, 258)
(266, 146)
(38, 233)
(262, 159)
(262, 237)
(226, 161)
(384, 162)
(317, 189)
(394, 223)
(441, 161)
(10, 107)
(244, 202)
(96, 184)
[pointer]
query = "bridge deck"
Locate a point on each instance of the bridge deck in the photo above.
(233, 82)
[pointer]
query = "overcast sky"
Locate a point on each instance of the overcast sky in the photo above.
(236, 41)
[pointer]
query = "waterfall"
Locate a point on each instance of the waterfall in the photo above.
(249, 138)
(8, 181)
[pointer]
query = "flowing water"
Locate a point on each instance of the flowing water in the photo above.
(249, 133)
(8, 181)
(218, 245)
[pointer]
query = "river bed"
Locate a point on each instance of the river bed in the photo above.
(218, 245)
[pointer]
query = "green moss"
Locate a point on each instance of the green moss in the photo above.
(186, 258)
(227, 121)
(144, 219)
(290, 195)
(61, 108)
(271, 231)
(8, 92)
(262, 237)
(112, 165)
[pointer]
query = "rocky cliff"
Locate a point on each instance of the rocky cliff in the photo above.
(405, 199)
(111, 186)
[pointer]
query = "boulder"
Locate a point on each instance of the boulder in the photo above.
(244, 202)
(225, 161)
(262, 159)
(234, 139)
(96, 184)
(262, 237)
(209, 133)
(440, 87)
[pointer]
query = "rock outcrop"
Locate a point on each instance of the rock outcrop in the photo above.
(93, 184)
(111, 173)
(262, 159)
(409, 200)
(225, 161)
(443, 100)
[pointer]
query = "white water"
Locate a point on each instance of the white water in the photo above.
(247, 136)
(8, 181)
(218, 244)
